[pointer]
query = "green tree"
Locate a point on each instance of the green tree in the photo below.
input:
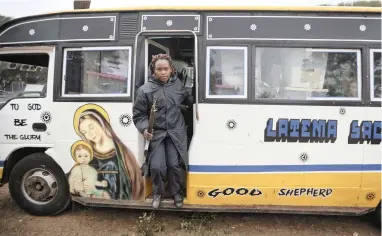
(358, 4)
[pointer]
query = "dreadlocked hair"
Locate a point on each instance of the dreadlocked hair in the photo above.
(162, 57)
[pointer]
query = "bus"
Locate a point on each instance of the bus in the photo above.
(286, 115)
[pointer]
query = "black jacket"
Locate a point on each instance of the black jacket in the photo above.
(169, 119)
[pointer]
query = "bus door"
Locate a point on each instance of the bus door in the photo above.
(97, 141)
(26, 83)
(181, 48)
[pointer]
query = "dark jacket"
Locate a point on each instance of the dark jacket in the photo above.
(169, 119)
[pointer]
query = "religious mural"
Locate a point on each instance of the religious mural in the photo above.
(105, 167)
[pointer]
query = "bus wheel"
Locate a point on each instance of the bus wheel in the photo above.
(39, 186)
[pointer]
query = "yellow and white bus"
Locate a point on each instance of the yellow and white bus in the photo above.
(286, 116)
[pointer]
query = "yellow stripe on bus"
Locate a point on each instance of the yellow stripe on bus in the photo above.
(298, 189)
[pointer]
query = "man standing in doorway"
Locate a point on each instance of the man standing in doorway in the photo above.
(168, 145)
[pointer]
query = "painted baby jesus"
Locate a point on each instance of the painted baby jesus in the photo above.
(83, 177)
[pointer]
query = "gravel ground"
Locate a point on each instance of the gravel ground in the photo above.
(80, 220)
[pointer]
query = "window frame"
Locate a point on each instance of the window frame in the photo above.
(50, 52)
(246, 73)
(317, 49)
(93, 95)
(371, 66)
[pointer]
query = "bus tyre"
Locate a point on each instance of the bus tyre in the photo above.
(39, 186)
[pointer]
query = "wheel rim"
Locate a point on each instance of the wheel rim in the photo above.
(39, 186)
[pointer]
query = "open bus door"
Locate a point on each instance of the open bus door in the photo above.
(184, 55)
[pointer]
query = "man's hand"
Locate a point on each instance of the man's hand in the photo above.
(147, 135)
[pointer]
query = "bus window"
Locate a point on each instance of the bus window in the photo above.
(23, 74)
(305, 73)
(226, 72)
(375, 74)
(94, 71)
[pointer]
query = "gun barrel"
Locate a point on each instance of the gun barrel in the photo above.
(151, 126)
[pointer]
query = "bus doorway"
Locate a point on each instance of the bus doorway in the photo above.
(181, 49)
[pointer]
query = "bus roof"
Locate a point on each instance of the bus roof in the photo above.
(22, 30)
(230, 8)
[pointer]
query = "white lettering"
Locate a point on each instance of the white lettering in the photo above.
(24, 67)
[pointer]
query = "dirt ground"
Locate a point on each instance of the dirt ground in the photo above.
(79, 220)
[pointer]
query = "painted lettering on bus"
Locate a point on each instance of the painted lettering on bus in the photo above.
(20, 122)
(10, 136)
(34, 106)
(30, 137)
(314, 192)
(304, 130)
(15, 107)
(367, 131)
(22, 137)
(229, 191)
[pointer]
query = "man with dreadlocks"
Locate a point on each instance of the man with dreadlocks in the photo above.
(168, 146)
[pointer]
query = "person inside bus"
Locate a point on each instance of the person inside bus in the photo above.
(349, 83)
(168, 142)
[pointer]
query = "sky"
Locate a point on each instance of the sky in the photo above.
(20, 8)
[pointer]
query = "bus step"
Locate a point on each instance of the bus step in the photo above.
(168, 205)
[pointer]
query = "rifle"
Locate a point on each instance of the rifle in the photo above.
(150, 130)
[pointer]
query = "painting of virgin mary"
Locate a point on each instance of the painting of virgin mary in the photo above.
(113, 161)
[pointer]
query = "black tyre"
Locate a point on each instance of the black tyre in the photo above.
(39, 186)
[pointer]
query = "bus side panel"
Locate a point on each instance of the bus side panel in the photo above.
(245, 164)
(22, 126)
(371, 180)
(23, 121)
(104, 132)
(26, 117)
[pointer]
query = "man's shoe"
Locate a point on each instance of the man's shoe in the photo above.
(178, 200)
(157, 198)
